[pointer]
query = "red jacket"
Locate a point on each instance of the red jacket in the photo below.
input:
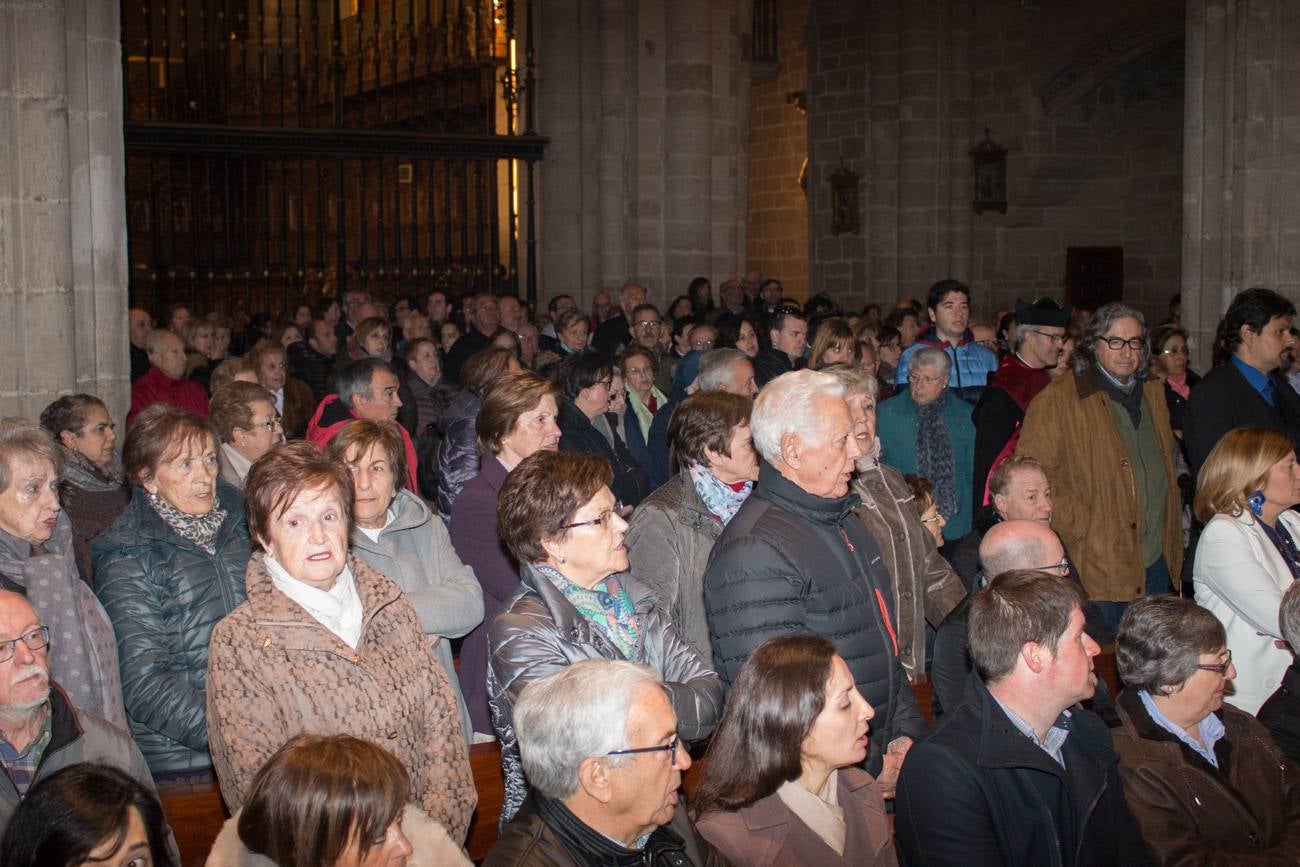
(157, 387)
(329, 418)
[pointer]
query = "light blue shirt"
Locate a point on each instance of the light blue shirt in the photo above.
(1210, 729)
(1054, 743)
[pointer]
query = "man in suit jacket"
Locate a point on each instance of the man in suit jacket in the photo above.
(1245, 389)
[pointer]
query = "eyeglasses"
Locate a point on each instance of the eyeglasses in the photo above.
(1062, 568)
(596, 522)
(670, 748)
(1060, 338)
(1174, 350)
(1118, 343)
(933, 519)
(35, 638)
(701, 344)
(649, 324)
(1220, 669)
(918, 379)
(272, 424)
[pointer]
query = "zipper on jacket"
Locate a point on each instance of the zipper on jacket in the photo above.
(889, 624)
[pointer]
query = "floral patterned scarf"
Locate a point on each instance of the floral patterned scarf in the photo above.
(606, 606)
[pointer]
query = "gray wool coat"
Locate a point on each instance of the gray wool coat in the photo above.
(415, 551)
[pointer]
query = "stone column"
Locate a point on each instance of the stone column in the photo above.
(63, 271)
(1241, 158)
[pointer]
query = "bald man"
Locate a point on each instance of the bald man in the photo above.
(166, 382)
(1007, 546)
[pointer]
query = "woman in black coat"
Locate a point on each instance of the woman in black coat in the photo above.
(585, 428)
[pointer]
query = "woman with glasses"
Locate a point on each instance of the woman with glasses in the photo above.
(1247, 555)
(1204, 780)
(927, 431)
(587, 427)
(782, 781)
(1169, 362)
(167, 571)
(292, 399)
(247, 425)
(576, 600)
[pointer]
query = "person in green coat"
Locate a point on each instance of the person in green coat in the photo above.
(927, 431)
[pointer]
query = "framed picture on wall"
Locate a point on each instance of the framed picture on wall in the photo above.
(845, 203)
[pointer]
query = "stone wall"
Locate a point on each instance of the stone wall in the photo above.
(777, 236)
(62, 219)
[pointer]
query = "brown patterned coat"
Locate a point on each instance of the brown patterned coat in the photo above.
(274, 672)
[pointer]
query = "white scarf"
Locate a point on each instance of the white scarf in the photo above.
(821, 812)
(337, 609)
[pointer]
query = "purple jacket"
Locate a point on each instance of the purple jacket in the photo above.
(474, 536)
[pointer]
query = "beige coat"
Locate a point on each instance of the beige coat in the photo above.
(275, 672)
(1070, 429)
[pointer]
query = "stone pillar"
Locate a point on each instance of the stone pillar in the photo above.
(63, 271)
(1241, 158)
(646, 105)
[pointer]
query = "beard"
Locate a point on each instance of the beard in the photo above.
(35, 702)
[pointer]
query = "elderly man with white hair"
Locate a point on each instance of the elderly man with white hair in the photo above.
(796, 558)
(600, 749)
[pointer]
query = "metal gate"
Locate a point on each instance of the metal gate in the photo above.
(282, 150)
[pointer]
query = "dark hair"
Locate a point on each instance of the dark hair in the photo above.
(72, 812)
(1253, 308)
(636, 313)
(279, 476)
(160, 432)
(542, 494)
(1160, 641)
(705, 420)
(1163, 334)
(934, 297)
(1018, 607)
(729, 329)
(319, 793)
(832, 333)
(776, 321)
(358, 436)
(887, 334)
(895, 320)
(555, 302)
(484, 368)
(777, 696)
(582, 370)
(514, 395)
(68, 413)
(677, 300)
(635, 350)
(922, 493)
(232, 407)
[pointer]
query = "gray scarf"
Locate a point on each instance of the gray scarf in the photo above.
(199, 529)
(934, 459)
(80, 472)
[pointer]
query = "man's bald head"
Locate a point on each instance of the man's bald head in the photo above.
(1010, 545)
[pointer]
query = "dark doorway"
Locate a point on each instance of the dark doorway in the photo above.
(1093, 276)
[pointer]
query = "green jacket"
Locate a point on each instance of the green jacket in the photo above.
(896, 421)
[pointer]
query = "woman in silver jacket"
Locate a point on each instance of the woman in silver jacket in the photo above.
(576, 601)
(395, 533)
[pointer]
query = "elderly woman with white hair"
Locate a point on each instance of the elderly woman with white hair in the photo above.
(927, 432)
(795, 557)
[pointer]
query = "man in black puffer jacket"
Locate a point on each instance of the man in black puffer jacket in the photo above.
(795, 558)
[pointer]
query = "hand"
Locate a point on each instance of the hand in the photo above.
(893, 758)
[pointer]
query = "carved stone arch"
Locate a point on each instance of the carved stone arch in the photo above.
(1128, 41)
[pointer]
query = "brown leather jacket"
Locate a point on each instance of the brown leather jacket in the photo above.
(1071, 430)
(1246, 812)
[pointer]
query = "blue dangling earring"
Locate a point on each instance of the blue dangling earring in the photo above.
(1256, 501)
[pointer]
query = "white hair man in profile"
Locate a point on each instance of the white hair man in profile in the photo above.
(599, 745)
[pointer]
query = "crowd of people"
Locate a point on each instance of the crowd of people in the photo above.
(332, 552)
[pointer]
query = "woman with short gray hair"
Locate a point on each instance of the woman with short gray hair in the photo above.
(1203, 779)
(926, 431)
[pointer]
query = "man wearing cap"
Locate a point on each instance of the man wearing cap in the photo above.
(1040, 338)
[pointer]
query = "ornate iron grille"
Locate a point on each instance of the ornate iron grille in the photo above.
(278, 150)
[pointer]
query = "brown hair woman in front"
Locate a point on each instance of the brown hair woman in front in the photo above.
(781, 781)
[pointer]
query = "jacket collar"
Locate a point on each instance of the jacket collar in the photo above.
(1133, 716)
(65, 728)
(293, 625)
(411, 513)
(493, 472)
(781, 492)
(140, 520)
(771, 812)
(930, 337)
(592, 847)
(568, 620)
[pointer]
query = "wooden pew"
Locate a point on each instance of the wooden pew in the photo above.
(196, 812)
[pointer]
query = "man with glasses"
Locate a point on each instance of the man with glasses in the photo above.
(620, 329)
(1020, 376)
(40, 730)
(1102, 435)
(600, 750)
(1246, 390)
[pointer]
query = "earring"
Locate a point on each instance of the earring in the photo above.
(559, 557)
(1256, 501)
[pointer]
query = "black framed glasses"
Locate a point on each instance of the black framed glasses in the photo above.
(670, 748)
(35, 638)
(596, 522)
(1118, 343)
(1220, 668)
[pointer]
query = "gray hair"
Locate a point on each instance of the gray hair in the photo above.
(580, 712)
(1085, 354)
(1160, 641)
(355, 379)
(1018, 552)
(932, 357)
(22, 439)
(1288, 617)
(153, 344)
(854, 379)
(785, 405)
(715, 368)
